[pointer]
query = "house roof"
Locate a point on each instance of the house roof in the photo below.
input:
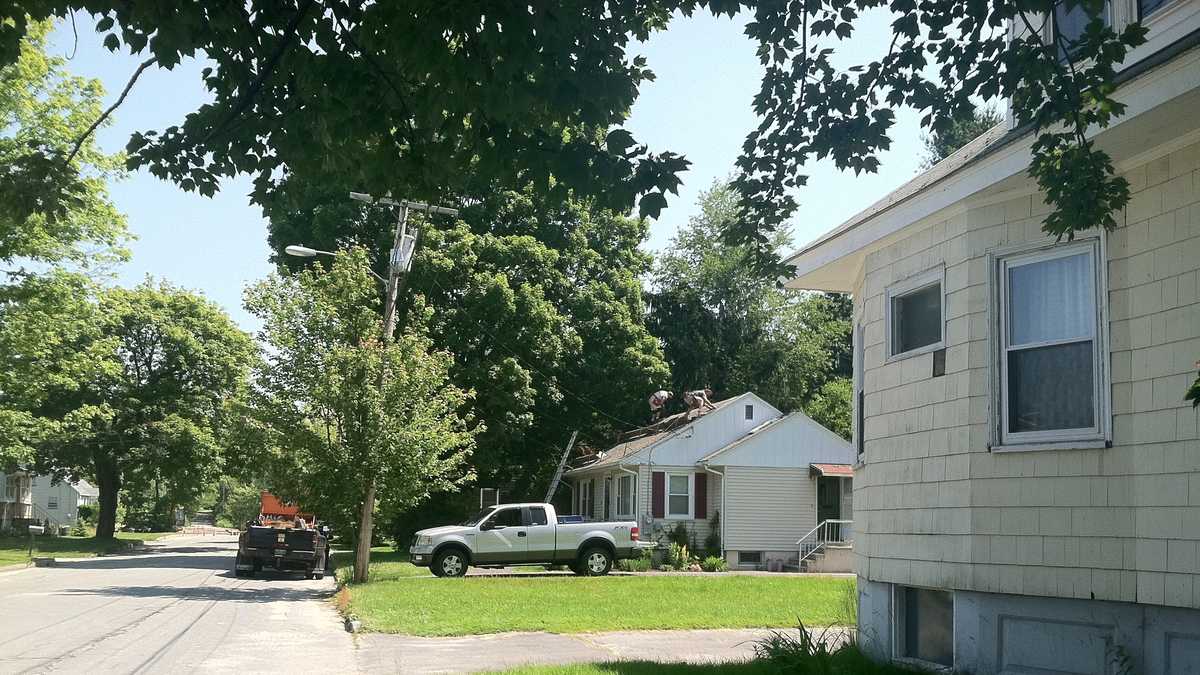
(670, 426)
(1158, 111)
(943, 169)
(833, 470)
(86, 489)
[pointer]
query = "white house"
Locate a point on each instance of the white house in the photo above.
(1027, 491)
(16, 499)
(772, 478)
(60, 502)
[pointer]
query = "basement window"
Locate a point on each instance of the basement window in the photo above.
(749, 557)
(915, 311)
(924, 621)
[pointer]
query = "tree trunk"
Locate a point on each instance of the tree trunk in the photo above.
(108, 480)
(362, 556)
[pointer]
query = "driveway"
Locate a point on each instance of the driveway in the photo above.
(177, 608)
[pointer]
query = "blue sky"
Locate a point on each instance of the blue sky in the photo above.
(699, 106)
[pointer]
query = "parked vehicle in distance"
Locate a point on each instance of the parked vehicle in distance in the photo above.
(282, 539)
(525, 534)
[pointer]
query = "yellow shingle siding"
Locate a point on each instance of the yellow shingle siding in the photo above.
(934, 507)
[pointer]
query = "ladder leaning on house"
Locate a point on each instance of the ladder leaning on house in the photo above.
(562, 463)
(812, 545)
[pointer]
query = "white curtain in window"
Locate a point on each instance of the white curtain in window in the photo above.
(1051, 300)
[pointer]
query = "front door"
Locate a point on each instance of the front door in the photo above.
(829, 502)
(540, 539)
(502, 538)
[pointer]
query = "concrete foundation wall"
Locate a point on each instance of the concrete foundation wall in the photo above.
(996, 633)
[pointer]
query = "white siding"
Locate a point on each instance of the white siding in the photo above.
(709, 433)
(769, 509)
(795, 441)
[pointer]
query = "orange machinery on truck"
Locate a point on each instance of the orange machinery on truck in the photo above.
(282, 538)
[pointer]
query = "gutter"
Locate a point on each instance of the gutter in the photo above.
(722, 475)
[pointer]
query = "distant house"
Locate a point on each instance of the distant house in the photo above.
(16, 500)
(59, 502)
(772, 478)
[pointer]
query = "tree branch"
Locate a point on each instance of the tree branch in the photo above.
(247, 98)
(103, 116)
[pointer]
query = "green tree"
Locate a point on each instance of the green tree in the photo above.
(165, 361)
(342, 407)
(462, 97)
(724, 326)
(539, 301)
(941, 144)
(44, 344)
(50, 213)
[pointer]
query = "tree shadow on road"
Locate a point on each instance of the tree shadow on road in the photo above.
(208, 593)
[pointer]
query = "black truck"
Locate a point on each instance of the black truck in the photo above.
(282, 548)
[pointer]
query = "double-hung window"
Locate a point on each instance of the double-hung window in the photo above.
(1051, 374)
(625, 495)
(915, 314)
(585, 498)
(1070, 24)
(679, 495)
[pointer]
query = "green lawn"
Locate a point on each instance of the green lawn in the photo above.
(386, 564)
(15, 550)
(649, 668)
(478, 605)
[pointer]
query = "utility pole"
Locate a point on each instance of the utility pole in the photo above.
(404, 249)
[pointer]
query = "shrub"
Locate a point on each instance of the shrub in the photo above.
(634, 565)
(830, 652)
(666, 568)
(79, 529)
(642, 563)
(712, 543)
(678, 556)
(679, 535)
(87, 513)
(714, 563)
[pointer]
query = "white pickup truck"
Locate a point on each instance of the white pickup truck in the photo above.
(525, 534)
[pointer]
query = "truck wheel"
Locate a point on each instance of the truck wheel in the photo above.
(449, 563)
(236, 562)
(595, 562)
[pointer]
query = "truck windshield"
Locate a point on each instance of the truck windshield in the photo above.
(474, 520)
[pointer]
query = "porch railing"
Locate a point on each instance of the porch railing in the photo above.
(827, 532)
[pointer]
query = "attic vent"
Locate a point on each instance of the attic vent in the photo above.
(749, 412)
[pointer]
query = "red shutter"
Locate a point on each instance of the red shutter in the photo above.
(701, 496)
(658, 494)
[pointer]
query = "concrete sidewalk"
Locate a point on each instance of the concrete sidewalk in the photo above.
(474, 653)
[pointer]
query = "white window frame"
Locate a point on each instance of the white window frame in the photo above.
(691, 502)
(1097, 436)
(909, 286)
(631, 498)
(899, 627)
(587, 494)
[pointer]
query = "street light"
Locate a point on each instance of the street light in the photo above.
(301, 251)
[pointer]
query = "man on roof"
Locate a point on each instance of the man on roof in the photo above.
(657, 401)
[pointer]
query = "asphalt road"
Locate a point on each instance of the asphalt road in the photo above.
(176, 609)
(179, 609)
